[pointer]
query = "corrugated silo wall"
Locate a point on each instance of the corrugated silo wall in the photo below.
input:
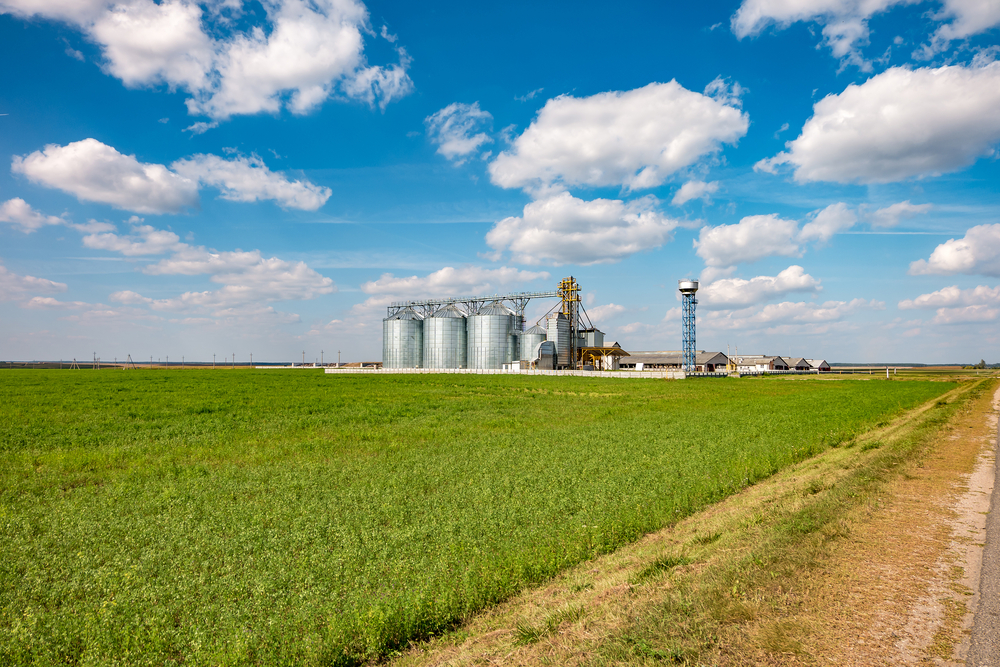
(557, 331)
(514, 340)
(529, 341)
(402, 343)
(445, 342)
(488, 340)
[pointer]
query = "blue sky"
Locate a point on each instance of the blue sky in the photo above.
(226, 177)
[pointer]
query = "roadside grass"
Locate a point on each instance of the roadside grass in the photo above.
(744, 582)
(169, 517)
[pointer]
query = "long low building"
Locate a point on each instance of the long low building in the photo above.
(705, 362)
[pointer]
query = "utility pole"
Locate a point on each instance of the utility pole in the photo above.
(321, 362)
(251, 360)
(338, 358)
(213, 361)
(303, 357)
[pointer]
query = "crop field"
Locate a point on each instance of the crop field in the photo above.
(287, 517)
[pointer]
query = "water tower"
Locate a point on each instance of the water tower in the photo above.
(688, 290)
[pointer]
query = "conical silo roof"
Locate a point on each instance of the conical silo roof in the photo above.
(407, 314)
(537, 330)
(494, 308)
(451, 310)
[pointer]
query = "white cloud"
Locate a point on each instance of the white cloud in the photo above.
(14, 287)
(966, 315)
(891, 215)
(304, 52)
(96, 172)
(19, 213)
(605, 312)
(948, 297)
(635, 138)
(191, 261)
(752, 238)
(968, 17)
(695, 190)
(200, 127)
(48, 303)
(244, 291)
(845, 22)
(833, 219)
(898, 125)
(450, 282)
(456, 130)
(789, 316)
(144, 240)
(562, 229)
(978, 252)
(736, 292)
(248, 179)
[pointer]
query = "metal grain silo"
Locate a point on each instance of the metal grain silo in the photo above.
(403, 340)
(445, 339)
(530, 340)
(489, 332)
(514, 339)
(557, 331)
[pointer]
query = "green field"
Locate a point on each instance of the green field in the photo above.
(279, 517)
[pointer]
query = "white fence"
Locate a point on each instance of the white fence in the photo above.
(650, 375)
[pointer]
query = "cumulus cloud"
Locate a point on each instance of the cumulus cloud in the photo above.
(301, 54)
(833, 219)
(94, 171)
(891, 215)
(898, 125)
(967, 18)
(14, 287)
(949, 297)
(738, 293)
(844, 22)
(978, 253)
(48, 303)
(752, 238)
(695, 190)
(635, 138)
(457, 130)
(788, 316)
(247, 179)
(562, 229)
(97, 172)
(604, 312)
(450, 282)
(966, 315)
(19, 213)
(144, 240)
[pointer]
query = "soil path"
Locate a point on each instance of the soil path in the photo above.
(985, 643)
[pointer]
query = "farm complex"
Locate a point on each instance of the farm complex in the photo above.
(489, 333)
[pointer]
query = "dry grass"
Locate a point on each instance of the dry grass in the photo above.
(828, 562)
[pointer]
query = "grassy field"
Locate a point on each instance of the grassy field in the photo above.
(274, 517)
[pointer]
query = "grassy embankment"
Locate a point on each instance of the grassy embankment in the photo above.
(279, 517)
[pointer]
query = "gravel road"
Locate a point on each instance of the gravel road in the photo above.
(984, 650)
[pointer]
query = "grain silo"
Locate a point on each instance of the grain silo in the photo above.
(530, 340)
(403, 340)
(489, 330)
(514, 341)
(445, 339)
(557, 331)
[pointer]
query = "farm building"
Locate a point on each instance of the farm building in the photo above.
(818, 365)
(752, 363)
(709, 362)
